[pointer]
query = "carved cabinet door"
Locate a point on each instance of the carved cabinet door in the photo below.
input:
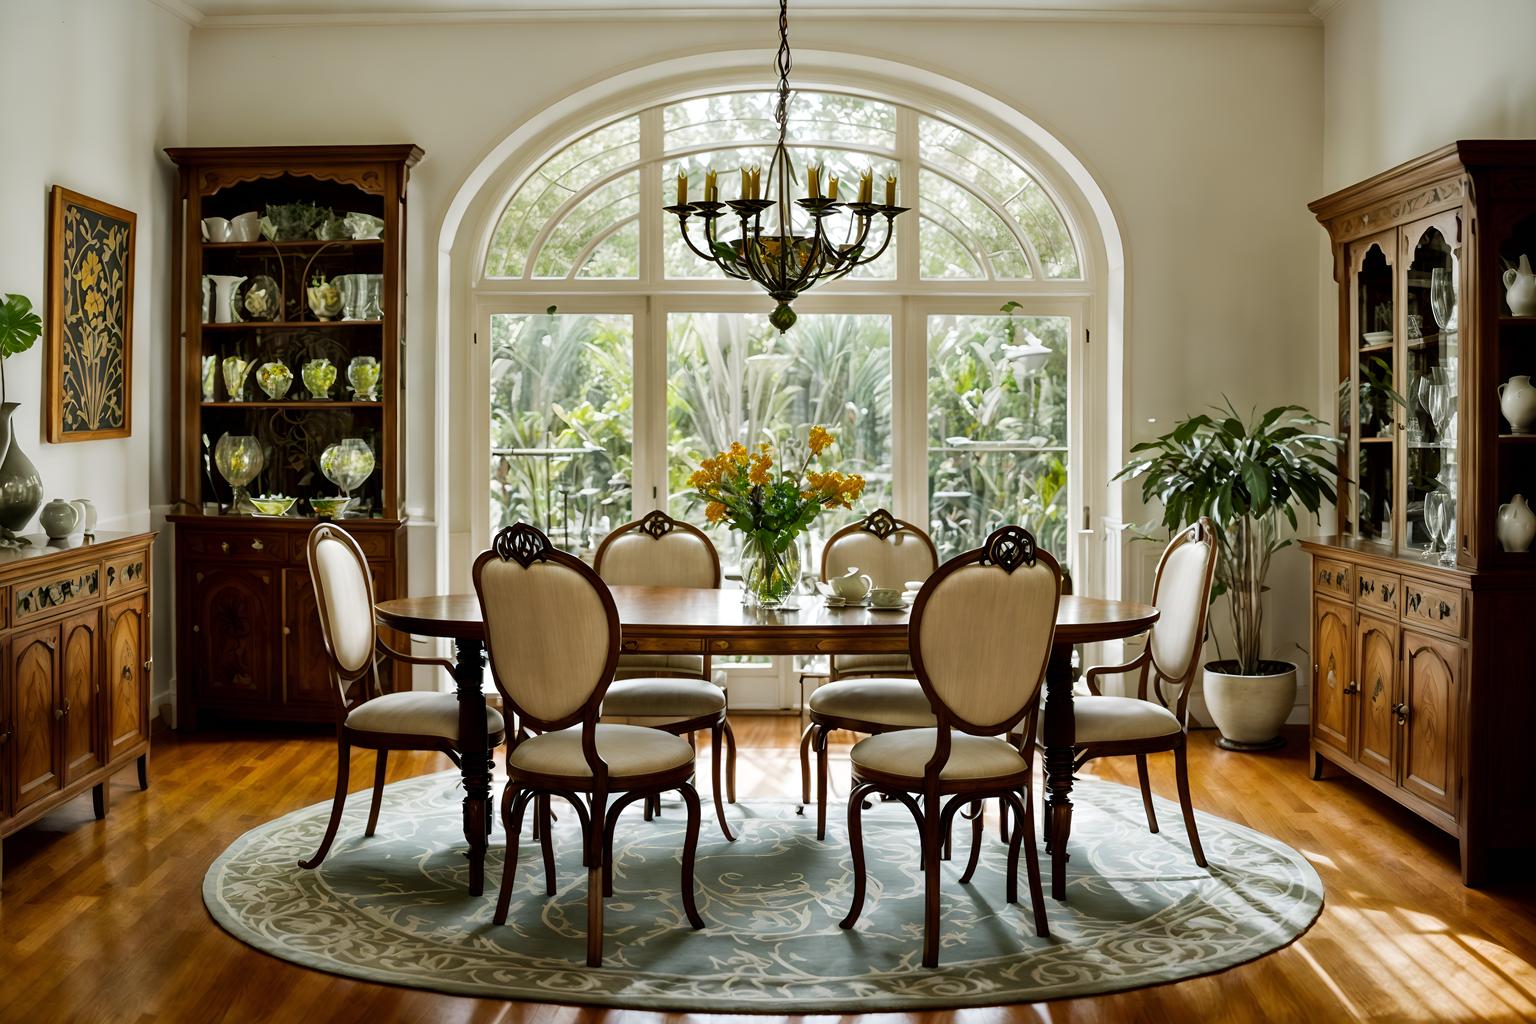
(234, 633)
(7, 734)
(127, 675)
(36, 756)
(1427, 716)
(1376, 674)
(79, 694)
(306, 667)
(1333, 678)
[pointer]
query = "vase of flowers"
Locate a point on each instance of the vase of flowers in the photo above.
(772, 502)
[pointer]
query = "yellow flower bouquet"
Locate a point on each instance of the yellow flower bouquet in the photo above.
(771, 507)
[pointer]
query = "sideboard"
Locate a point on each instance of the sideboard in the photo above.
(74, 670)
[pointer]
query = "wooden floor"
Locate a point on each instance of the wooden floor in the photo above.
(105, 920)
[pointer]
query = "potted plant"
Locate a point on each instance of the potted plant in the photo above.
(1250, 478)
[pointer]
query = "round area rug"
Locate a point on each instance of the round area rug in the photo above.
(393, 908)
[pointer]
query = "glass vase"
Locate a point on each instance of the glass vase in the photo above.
(770, 572)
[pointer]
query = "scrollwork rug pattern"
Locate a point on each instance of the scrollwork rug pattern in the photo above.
(393, 909)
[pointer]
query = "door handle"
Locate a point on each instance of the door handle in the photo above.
(1352, 688)
(1401, 711)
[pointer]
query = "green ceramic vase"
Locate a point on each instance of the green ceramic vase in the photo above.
(21, 488)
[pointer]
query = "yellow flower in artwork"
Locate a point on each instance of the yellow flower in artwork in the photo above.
(93, 303)
(714, 511)
(821, 440)
(90, 270)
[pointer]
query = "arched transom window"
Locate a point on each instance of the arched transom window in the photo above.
(960, 412)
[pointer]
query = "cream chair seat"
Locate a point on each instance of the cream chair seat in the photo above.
(417, 713)
(629, 751)
(1112, 719)
(663, 697)
(889, 703)
(903, 754)
(672, 692)
(890, 552)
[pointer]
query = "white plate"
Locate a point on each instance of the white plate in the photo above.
(889, 607)
(1376, 337)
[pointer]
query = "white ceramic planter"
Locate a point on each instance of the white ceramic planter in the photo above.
(1249, 710)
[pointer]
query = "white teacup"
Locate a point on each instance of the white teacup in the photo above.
(216, 229)
(913, 586)
(851, 586)
(885, 597)
(245, 228)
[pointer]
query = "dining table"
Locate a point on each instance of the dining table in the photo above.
(685, 620)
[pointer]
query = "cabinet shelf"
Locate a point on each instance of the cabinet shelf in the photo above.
(291, 325)
(297, 404)
(303, 245)
(1385, 346)
(1517, 438)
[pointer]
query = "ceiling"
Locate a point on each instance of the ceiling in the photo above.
(233, 13)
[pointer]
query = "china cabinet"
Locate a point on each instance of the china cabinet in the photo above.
(1424, 656)
(288, 281)
(74, 670)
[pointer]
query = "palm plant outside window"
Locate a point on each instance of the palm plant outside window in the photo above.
(600, 407)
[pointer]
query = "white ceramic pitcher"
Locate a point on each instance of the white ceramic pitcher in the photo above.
(1517, 401)
(851, 585)
(1520, 289)
(1516, 527)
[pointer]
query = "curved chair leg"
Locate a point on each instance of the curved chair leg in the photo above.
(1002, 820)
(380, 765)
(932, 840)
(856, 847)
(1036, 888)
(547, 840)
(730, 763)
(1146, 791)
(343, 767)
(1181, 772)
(512, 804)
(805, 767)
(976, 829)
(821, 783)
(690, 850)
(1015, 844)
(597, 842)
(715, 756)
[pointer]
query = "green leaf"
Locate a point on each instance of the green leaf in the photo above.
(19, 326)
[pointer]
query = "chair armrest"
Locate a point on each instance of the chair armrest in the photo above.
(1106, 670)
(411, 659)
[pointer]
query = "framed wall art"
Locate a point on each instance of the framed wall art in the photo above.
(90, 318)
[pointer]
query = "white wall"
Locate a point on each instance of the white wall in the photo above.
(93, 89)
(1404, 77)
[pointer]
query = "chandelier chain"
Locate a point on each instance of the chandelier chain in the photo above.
(784, 62)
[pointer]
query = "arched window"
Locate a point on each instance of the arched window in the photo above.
(962, 413)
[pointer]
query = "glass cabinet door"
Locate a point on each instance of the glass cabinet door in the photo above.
(1368, 413)
(1431, 391)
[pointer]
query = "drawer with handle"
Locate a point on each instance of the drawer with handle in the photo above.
(1429, 604)
(1336, 578)
(1378, 591)
(263, 547)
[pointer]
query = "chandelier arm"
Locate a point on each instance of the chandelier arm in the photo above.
(890, 232)
(682, 223)
(728, 269)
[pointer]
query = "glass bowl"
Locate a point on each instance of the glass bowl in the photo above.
(273, 504)
(329, 508)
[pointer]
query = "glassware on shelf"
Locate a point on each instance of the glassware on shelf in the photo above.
(363, 375)
(1434, 515)
(1448, 531)
(260, 299)
(210, 378)
(239, 458)
(319, 375)
(324, 299)
(1442, 296)
(373, 297)
(354, 295)
(347, 463)
(1442, 411)
(224, 286)
(237, 371)
(274, 379)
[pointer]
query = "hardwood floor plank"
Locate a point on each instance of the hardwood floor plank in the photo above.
(104, 920)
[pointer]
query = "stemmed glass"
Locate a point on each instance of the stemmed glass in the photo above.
(1442, 296)
(1442, 410)
(1434, 517)
(1448, 530)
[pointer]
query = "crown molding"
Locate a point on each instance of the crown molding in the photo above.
(1323, 8)
(611, 11)
(179, 9)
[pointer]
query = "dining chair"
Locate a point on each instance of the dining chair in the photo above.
(1109, 726)
(370, 718)
(552, 636)
(981, 633)
(673, 692)
(866, 693)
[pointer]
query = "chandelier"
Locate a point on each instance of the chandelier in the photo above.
(784, 261)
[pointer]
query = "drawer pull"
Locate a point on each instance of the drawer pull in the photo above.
(257, 545)
(1352, 688)
(61, 712)
(127, 673)
(224, 546)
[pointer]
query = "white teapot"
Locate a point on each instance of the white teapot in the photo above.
(851, 585)
(1517, 401)
(1520, 289)
(1516, 526)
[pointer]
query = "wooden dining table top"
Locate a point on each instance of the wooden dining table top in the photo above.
(682, 613)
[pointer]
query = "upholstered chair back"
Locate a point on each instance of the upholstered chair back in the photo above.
(344, 594)
(552, 631)
(889, 550)
(658, 551)
(981, 632)
(1182, 595)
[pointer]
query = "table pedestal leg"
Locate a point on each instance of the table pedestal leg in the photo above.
(475, 757)
(1058, 730)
